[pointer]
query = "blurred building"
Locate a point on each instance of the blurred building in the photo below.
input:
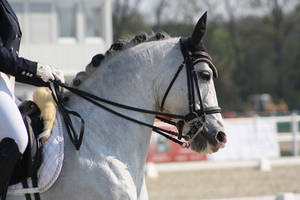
(63, 33)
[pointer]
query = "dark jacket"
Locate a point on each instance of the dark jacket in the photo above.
(10, 37)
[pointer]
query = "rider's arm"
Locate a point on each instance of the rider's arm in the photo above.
(14, 65)
(27, 71)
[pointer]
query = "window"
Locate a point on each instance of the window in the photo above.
(40, 25)
(19, 8)
(93, 18)
(66, 13)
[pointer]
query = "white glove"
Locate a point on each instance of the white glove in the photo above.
(48, 73)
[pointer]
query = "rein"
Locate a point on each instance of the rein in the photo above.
(77, 138)
(195, 118)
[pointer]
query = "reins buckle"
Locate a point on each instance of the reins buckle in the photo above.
(197, 125)
(189, 118)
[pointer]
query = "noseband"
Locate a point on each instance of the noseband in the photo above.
(195, 118)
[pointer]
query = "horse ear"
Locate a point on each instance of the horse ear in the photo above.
(199, 30)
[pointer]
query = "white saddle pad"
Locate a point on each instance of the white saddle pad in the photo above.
(53, 153)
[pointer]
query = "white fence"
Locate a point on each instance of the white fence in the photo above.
(258, 137)
(293, 134)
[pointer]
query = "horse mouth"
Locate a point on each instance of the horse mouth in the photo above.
(207, 143)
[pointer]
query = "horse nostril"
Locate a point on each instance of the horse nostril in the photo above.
(221, 137)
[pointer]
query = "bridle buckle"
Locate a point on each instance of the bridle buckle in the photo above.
(198, 124)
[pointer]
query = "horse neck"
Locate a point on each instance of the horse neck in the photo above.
(127, 80)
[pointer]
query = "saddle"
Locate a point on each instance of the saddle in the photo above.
(32, 158)
(38, 118)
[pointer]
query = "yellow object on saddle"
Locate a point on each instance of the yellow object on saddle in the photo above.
(43, 98)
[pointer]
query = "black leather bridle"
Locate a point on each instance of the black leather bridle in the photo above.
(195, 118)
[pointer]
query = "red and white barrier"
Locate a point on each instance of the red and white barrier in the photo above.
(162, 150)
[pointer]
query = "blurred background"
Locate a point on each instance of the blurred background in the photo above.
(255, 45)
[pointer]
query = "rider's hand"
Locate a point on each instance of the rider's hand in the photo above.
(48, 73)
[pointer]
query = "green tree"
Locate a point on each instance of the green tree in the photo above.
(255, 53)
(127, 20)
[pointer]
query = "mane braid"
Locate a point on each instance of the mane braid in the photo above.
(116, 47)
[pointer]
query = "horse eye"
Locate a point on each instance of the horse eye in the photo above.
(204, 75)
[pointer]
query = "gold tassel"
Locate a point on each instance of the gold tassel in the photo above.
(43, 98)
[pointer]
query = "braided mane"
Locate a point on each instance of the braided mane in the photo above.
(113, 50)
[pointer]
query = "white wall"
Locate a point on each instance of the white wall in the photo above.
(251, 138)
(41, 22)
(71, 58)
(43, 40)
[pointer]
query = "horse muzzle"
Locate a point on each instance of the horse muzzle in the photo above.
(206, 136)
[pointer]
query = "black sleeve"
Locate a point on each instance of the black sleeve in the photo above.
(23, 69)
(32, 81)
(14, 65)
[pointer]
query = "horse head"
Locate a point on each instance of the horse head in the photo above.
(202, 125)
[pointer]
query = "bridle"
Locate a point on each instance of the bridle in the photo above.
(196, 118)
